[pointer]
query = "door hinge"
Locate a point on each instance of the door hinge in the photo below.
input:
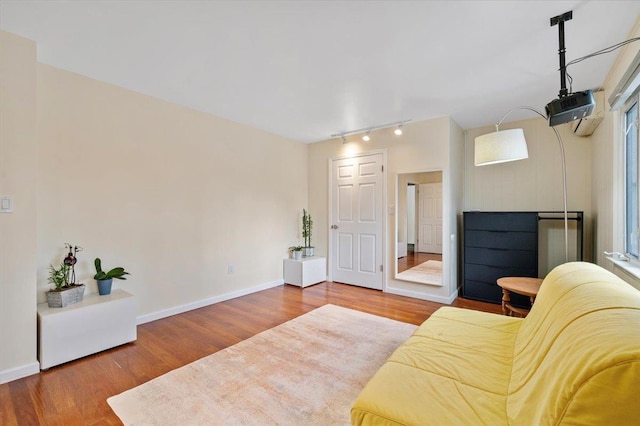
(381, 268)
(382, 168)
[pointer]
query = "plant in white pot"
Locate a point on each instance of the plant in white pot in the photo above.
(296, 251)
(307, 227)
(105, 279)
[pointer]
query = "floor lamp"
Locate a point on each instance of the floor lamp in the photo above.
(502, 146)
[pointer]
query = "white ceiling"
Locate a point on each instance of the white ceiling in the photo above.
(309, 69)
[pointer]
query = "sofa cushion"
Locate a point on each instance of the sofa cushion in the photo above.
(456, 340)
(434, 378)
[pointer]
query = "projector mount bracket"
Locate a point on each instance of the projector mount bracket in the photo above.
(559, 21)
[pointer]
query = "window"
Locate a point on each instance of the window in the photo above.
(632, 191)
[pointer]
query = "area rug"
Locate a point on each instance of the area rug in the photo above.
(429, 272)
(307, 371)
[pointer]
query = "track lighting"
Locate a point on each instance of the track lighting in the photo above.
(368, 130)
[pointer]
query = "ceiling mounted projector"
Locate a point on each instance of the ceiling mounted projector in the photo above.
(569, 106)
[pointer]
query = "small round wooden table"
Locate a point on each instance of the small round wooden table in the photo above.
(520, 285)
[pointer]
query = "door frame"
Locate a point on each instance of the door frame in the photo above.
(415, 211)
(384, 213)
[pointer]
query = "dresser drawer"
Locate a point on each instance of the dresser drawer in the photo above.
(522, 259)
(499, 221)
(513, 240)
(490, 274)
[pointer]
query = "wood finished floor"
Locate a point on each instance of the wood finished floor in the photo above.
(414, 259)
(75, 393)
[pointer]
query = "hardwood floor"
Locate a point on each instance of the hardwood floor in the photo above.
(75, 393)
(414, 259)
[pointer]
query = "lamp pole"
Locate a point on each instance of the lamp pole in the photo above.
(564, 174)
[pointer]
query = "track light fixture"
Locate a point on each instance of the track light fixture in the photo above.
(368, 130)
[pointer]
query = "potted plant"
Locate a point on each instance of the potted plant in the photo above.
(105, 279)
(307, 226)
(296, 251)
(64, 293)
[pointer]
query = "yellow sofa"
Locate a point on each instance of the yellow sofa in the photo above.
(574, 360)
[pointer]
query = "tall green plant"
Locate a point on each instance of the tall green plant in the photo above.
(59, 277)
(307, 226)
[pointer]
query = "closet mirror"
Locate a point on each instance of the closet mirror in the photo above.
(419, 227)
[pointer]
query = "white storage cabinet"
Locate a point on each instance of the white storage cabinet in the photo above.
(306, 271)
(84, 328)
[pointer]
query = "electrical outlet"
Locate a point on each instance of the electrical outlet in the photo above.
(230, 269)
(6, 204)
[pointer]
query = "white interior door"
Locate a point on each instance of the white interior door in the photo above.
(430, 218)
(356, 220)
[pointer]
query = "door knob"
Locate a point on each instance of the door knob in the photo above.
(334, 226)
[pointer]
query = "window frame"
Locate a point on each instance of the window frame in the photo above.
(633, 100)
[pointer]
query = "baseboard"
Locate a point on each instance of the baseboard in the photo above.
(19, 372)
(142, 319)
(439, 299)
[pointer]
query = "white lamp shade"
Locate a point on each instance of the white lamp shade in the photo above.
(500, 147)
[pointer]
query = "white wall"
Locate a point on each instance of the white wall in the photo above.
(456, 183)
(535, 184)
(171, 194)
(608, 171)
(424, 145)
(18, 229)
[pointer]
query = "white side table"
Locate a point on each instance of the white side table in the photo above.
(306, 271)
(93, 325)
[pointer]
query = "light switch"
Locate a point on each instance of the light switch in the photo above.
(6, 204)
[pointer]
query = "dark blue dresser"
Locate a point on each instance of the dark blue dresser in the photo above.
(496, 245)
